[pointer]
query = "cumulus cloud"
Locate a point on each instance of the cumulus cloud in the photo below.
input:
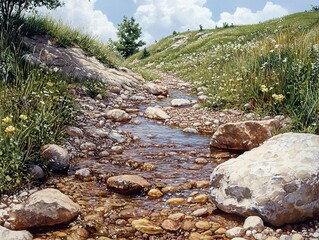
(158, 16)
(246, 16)
(81, 15)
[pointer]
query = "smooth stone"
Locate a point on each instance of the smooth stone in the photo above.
(156, 89)
(156, 113)
(200, 212)
(204, 225)
(145, 226)
(179, 102)
(254, 223)
(176, 201)
(177, 216)
(155, 193)
(235, 232)
(118, 115)
(55, 157)
(47, 207)
(6, 234)
(170, 225)
(128, 184)
(74, 131)
(84, 172)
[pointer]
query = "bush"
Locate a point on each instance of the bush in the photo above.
(145, 54)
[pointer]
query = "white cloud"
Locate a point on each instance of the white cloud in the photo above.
(81, 15)
(164, 16)
(161, 17)
(246, 16)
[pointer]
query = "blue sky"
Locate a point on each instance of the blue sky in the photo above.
(159, 18)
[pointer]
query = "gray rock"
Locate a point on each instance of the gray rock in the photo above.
(235, 232)
(6, 234)
(55, 157)
(74, 131)
(275, 181)
(156, 113)
(254, 223)
(36, 172)
(88, 146)
(180, 102)
(156, 89)
(47, 207)
(190, 130)
(84, 172)
(118, 115)
(96, 132)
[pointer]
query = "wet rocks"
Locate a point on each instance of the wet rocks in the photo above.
(145, 226)
(118, 115)
(170, 225)
(7, 234)
(55, 157)
(128, 184)
(74, 131)
(155, 193)
(156, 113)
(244, 135)
(47, 207)
(179, 102)
(275, 180)
(156, 89)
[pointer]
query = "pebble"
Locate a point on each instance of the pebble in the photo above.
(204, 225)
(170, 225)
(177, 216)
(200, 212)
(176, 201)
(155, 193)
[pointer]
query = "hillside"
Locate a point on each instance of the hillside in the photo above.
(271, 67)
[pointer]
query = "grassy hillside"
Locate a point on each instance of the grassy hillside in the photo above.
(36, 102)
(274, 66)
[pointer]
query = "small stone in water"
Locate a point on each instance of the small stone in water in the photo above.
(200, 198)
(176, 201)
(155, 193)
(201, 161)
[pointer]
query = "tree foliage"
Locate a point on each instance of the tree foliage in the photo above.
(129, 32)
(12, 10)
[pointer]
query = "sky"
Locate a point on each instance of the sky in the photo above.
(159, 18)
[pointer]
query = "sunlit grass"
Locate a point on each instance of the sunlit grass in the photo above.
(272, 65)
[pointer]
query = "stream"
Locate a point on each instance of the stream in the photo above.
(177, 163)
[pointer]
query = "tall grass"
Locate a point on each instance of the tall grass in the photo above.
(66, 37)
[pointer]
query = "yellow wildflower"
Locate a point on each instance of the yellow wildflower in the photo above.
(264, 89)
(278, 97)
(7, 120)
(10, 130)
(23, 117)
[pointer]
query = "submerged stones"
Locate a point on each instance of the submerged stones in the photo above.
(277, 181)
(128, 184)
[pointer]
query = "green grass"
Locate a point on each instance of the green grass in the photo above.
(36, 102)
(66, 36)
(274, 65)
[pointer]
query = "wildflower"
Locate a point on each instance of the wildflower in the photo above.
(50, 84)
(278, 97)
(264, 89)
(10, 130)
(7, 120)
(23, 117)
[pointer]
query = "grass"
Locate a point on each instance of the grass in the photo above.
(272, 65)
(66, 37)
(36, 102)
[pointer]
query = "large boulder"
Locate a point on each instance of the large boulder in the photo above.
(277, 181)
(6, 234)
(156, 89)
(47, 207)
(156, 113)
(244, 136)
(128, 184)
(118, 115)
(55, 157)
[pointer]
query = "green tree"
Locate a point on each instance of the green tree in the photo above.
(145, 54)
(12, 10)
(128, 32)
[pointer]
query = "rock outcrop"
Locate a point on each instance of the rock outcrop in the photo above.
(47, 207)
(277, 181)
(56, 158)
(244, 136)
(74, 62)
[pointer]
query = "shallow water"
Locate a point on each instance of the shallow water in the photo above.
(171, 153)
